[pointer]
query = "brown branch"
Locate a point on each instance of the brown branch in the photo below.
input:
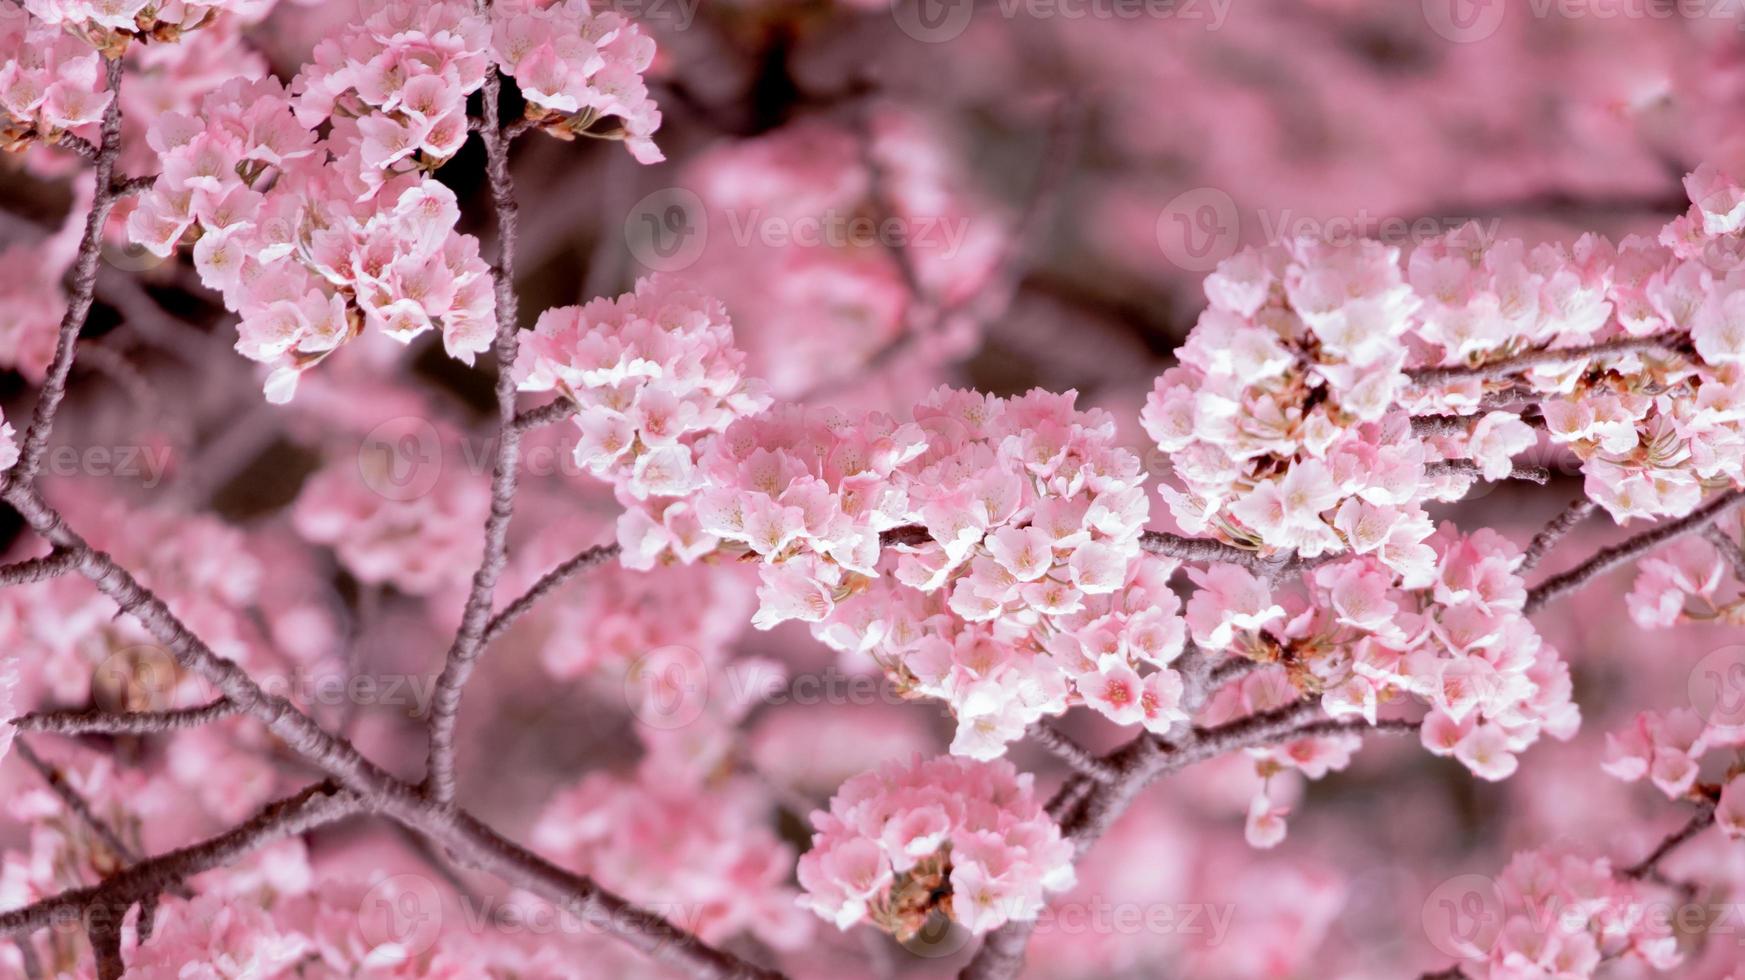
(1085, 816)
(81, 284)
(469, 644)
(125, 186)
(1671, 342)
(1081, 759)
(124, 722)
(1698, 822)
(315, 806)
(33, 570)
(1607, 559)
(1466, 467)
(1578, 510)
(544, 415)
(589, 558)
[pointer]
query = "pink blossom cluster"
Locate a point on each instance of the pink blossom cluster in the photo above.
(1683, 582)
(900, 837)
(1287, 419)
(395, 86)
(51, 83)
(577, 66)
(651, 373)
(806, 492)
(313, 254)
(1365, 636)
(1565, 916)
(418, 542)
(108, 24)
(703, 852)
(1668, 749)
(1112, 654)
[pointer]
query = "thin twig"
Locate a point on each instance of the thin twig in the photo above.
(597, 555)
(1699, 821)
(468, 643)
(544, 415)
(125, 722)
(79, 807)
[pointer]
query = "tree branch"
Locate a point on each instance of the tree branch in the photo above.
(550, 581)
(1671, 342)
(1081, 759)
(33, 570)
(1607, 559)
(1578, 510)
(82, 283)
(125, 722)
(469, 639)
(369, 788)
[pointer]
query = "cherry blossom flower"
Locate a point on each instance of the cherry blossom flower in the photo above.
(580, 70)
(304, 275)
(894, 836)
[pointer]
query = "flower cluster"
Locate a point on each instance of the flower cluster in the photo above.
(1281, 420)
(1681, 583)
(1363, 636)
(965, 840)
(651, 373)
(108, 24)
(807, 493)
(1299, 369)
(51, 83)
(577, 66)
(1668, 748)
(395, 87)
(660, 840)
(311, 256)
(1563, 916)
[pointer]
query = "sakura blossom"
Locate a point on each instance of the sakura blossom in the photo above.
(892, 837)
